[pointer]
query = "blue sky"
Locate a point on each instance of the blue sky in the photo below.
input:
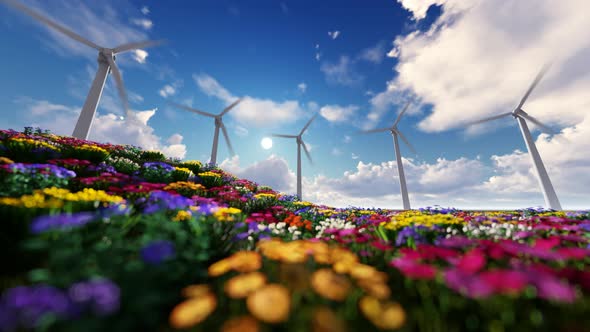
(355, 63)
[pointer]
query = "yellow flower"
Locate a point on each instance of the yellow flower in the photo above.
(409, 218)
(241, 261)
(182, 169)
(192, 311)
(330, 285)
(182, 216)
(298, 203)
(243, 285)
(209, 174)
(192, 162)
(226, 213)
(264, 195)
(270, 304)
(88, 147)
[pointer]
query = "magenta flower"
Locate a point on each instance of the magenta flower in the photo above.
(470, 285)
(472, 261)
(505, 281)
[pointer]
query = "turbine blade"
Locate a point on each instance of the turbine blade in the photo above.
(306, 152)
(120, 85)
(186, 108)
(487, 119)
(373, 131)
(17, 5)
(406, 141)
(229, 146)
(280, 135)
(308, 123)
(399, 117)
(539, 124)
(534, 84)
(136, 45)
(227, 109)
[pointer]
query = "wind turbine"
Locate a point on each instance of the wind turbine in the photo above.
(106, 64)
(218, 124)
(299, 144)
(521, 116)
(395, 132)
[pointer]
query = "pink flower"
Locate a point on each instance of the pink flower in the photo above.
(505, 281)
(472, 261)
(413, 269)
(470, 285)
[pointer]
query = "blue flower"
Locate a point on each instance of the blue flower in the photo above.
(158, 251)
(158, 165)
(160, 200)
(60, 221)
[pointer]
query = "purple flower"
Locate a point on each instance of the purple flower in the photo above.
(157, 252)
(410, 232)
(26, 306)
(158, 165)
(102, 168)
(62, 221)
(101, 296)
(160, 200)
(470, 285)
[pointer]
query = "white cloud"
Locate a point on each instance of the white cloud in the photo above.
(252, 111)
(419, 8)
(336, 152)
(341, 72)
(145, 10)
(273, 172)
(302, 87)
(100, 22)
(334, 34)
(61, 119)
(167, 90)
(354, 156)
(143, 22)
(337, 113)
(373, 54)
(347, 139)
(140, 56)
(318, 56)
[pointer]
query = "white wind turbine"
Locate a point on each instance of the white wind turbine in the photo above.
(395, 132)
(106, 63)
(218, 124)
(521, 116)
(299, 144)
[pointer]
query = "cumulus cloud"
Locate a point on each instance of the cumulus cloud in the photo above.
(61, 119)
(145, 10)
(341, 72)
(253, 111)
(167, 90)
(334, 34)
(302, 87)
(273, 172)
(373, 54)
(337, 113)
(100, 22)
(143, 22)
(140, 56)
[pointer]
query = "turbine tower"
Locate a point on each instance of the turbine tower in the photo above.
(218, 124)
(521, 116)
(395, 132)
(299, 144)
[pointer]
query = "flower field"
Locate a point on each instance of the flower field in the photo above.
(101, 237)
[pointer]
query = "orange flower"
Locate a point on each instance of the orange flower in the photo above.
(385, 315)
(241, 324)
(196, 290)
(366, 272)
(220, 267)
(376, 289)
(270, 304)
(241, 286)
(330, 285)
(192, 311)
(246, 261)
(325, 320)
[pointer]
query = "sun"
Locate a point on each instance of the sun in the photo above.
(266, 143)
